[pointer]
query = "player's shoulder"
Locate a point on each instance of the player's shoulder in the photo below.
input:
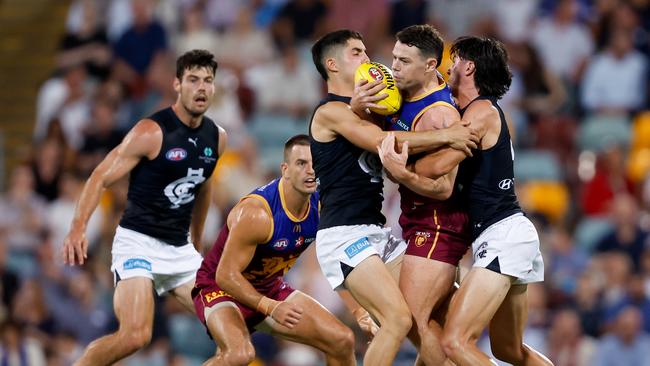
(146, 129)
(481, 109)
(252, 212)
(331, 112)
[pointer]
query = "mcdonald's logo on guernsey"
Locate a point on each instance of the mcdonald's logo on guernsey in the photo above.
(297, 228)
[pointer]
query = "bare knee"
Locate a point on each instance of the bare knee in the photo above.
(239, 355)
(341, 342)
(452, 343)
(134, 339)
(399, 322)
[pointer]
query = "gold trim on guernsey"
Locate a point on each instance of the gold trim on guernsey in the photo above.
(284, 207)
(435, 239)
(426, 93)
(417, 116)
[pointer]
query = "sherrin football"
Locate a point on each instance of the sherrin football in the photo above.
(372, 71)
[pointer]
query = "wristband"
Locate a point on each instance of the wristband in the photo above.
(266, 306)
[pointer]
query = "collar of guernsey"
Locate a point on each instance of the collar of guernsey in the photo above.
(412, 109)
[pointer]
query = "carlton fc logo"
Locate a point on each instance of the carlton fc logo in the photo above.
(281, 244)
(176, 154)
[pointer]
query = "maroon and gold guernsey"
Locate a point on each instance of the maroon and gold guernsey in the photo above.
(288, 238)
(433, 229)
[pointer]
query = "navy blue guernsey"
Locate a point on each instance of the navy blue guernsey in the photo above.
(162, 190)
(487, 179)
(350, 182)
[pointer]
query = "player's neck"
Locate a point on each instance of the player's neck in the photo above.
(423, 89)
(466, 94)
(185, 117)
(296, 202)
(338, 87)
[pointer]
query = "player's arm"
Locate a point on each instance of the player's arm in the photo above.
(203, 198)
(338, 119)
(439, 187)
(143, 141)
(395, 165)
(440, 162)
(249, 224)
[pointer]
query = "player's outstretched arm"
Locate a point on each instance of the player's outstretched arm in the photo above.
(337, 118)
(203, 197)
(144, 140)
(250, 224)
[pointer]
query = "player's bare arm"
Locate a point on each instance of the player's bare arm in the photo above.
(439, 187)
(395, 165)
(249, 224)
(483, 115)
(143, 141)
(337, 118)
(202, 204)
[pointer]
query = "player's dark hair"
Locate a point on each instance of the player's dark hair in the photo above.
(195, 58)
(425, 37)
(324, 46)
(492, 75)
(293, 141)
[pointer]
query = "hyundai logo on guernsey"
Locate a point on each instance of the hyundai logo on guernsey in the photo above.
(176, 154)
(281, 244)
(506, 184)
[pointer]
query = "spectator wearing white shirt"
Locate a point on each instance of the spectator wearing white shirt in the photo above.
(615, 80)
(562, 42)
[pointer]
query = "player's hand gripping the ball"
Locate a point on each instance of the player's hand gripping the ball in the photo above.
(366, 95)
(75, 247)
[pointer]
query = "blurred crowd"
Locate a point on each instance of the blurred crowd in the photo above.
(578, 109)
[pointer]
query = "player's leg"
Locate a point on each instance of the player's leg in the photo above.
(426, 284)
(374, 288)
(134, 307)
(471, 309)
(320, 329)
(183, 294)
(228, 328)
(507, 329)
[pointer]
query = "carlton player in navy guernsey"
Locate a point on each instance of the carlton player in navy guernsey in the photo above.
(264, 235)
(170, 157)
(352, 243)
(506, 245)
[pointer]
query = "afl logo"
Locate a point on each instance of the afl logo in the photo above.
(506, 184)
(281, 244)
(176, 154)
(375, 73)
